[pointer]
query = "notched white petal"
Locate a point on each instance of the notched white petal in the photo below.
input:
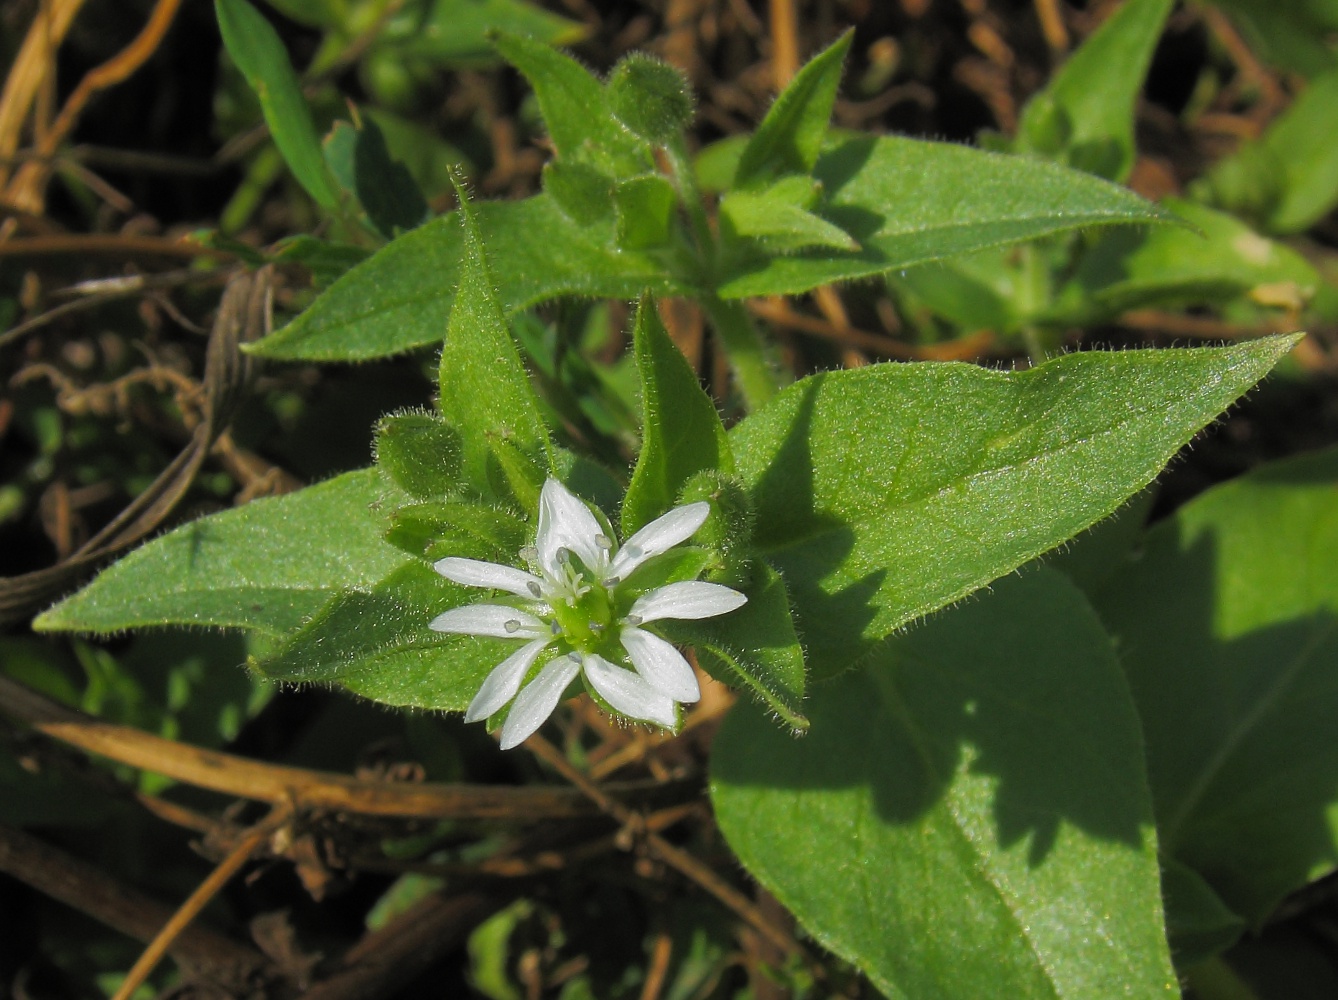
(536, 701)
(690, 599)
(629, 693)
(476, 573)
(565, 522)
(494, 620)
(663, 667)
(660, 535)
(504, 681)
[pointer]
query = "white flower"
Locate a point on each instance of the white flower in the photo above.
(574, 609)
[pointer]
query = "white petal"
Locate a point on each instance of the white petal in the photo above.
(489, 620)
(660, 535)
(661, 665)
(476, 573)
(690, 599)
(629, 693)
(565, 522)
(501, 685)
(536, 702)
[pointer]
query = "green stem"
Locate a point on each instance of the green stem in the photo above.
(757, 378)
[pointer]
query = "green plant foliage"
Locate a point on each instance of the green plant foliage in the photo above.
(1293, 36)
(1085, 115)
(1287, 179)
(651, 99)
(969, 815)
(457, 33)
(362, 165)
(259, 54)
(267, 566)
(886, 492)
(1225, 625)
(681, 433)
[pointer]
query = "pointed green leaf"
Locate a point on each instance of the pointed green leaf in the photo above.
(968, 816)
(465, 528)
(790, 136)
(258, 52)
(905, 201)
(484, 388)
(401, 298)
(1227, 623)
(887, 492)
(1085, 115)
(419, 453)
(1198, 923)
(681, 430)
(754, 648)
(266, 566)
(455, 33)
(575, 108)
(361, 163)
(777, 225)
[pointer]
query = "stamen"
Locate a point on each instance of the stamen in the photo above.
(633, 620)
(554, 627)
(604, 542)
(534, 589)
(596, 627)
(513, 625)
(613, 581)
(574, 656)
(529, 554)
(563, 555)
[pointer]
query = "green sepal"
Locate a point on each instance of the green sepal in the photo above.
(645, 207)
(420, 453)
(754, 647)
(790, 137)
(681, 430)
(728, 531)
(515, 471)
(650, 98)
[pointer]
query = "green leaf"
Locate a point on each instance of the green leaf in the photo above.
(442, 528)
(754, 648)
(377, 644)
(266, 566)
(790, 136)
(968, 817)
(905, 201)
(1227, 625)
(681, 430)
(1197, 921)
(777, 223)
(887, 492)
(1295, 37)
(361, 163)
(256, 49)
(575, 108)
(484, 388)
(1224, 259)
(401, 298)
(1085, 115)
(1288, 177)
(455, 33)
(419, 453)
(583, 193)
(326, 261)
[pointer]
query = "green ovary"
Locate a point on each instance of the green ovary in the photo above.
(587, 622)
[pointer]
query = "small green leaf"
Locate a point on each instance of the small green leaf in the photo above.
(755, 648)
(969, 815)
(1287, 179)
(777, 224)
(681, 430)
(575, 108)
(361, 163)
(905, 201)
(420, 453)
(887, 492)
(401, 297)
(1197, 921)
(266, 566)
(583, 193)
(1085, 115)
(326, 261)
(646, 206)
(1227, 623)
(484, 388)
(790, 136)
(258, 52)
(1225, 259)
(650, 98)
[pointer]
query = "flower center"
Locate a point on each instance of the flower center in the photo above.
(586, 615)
